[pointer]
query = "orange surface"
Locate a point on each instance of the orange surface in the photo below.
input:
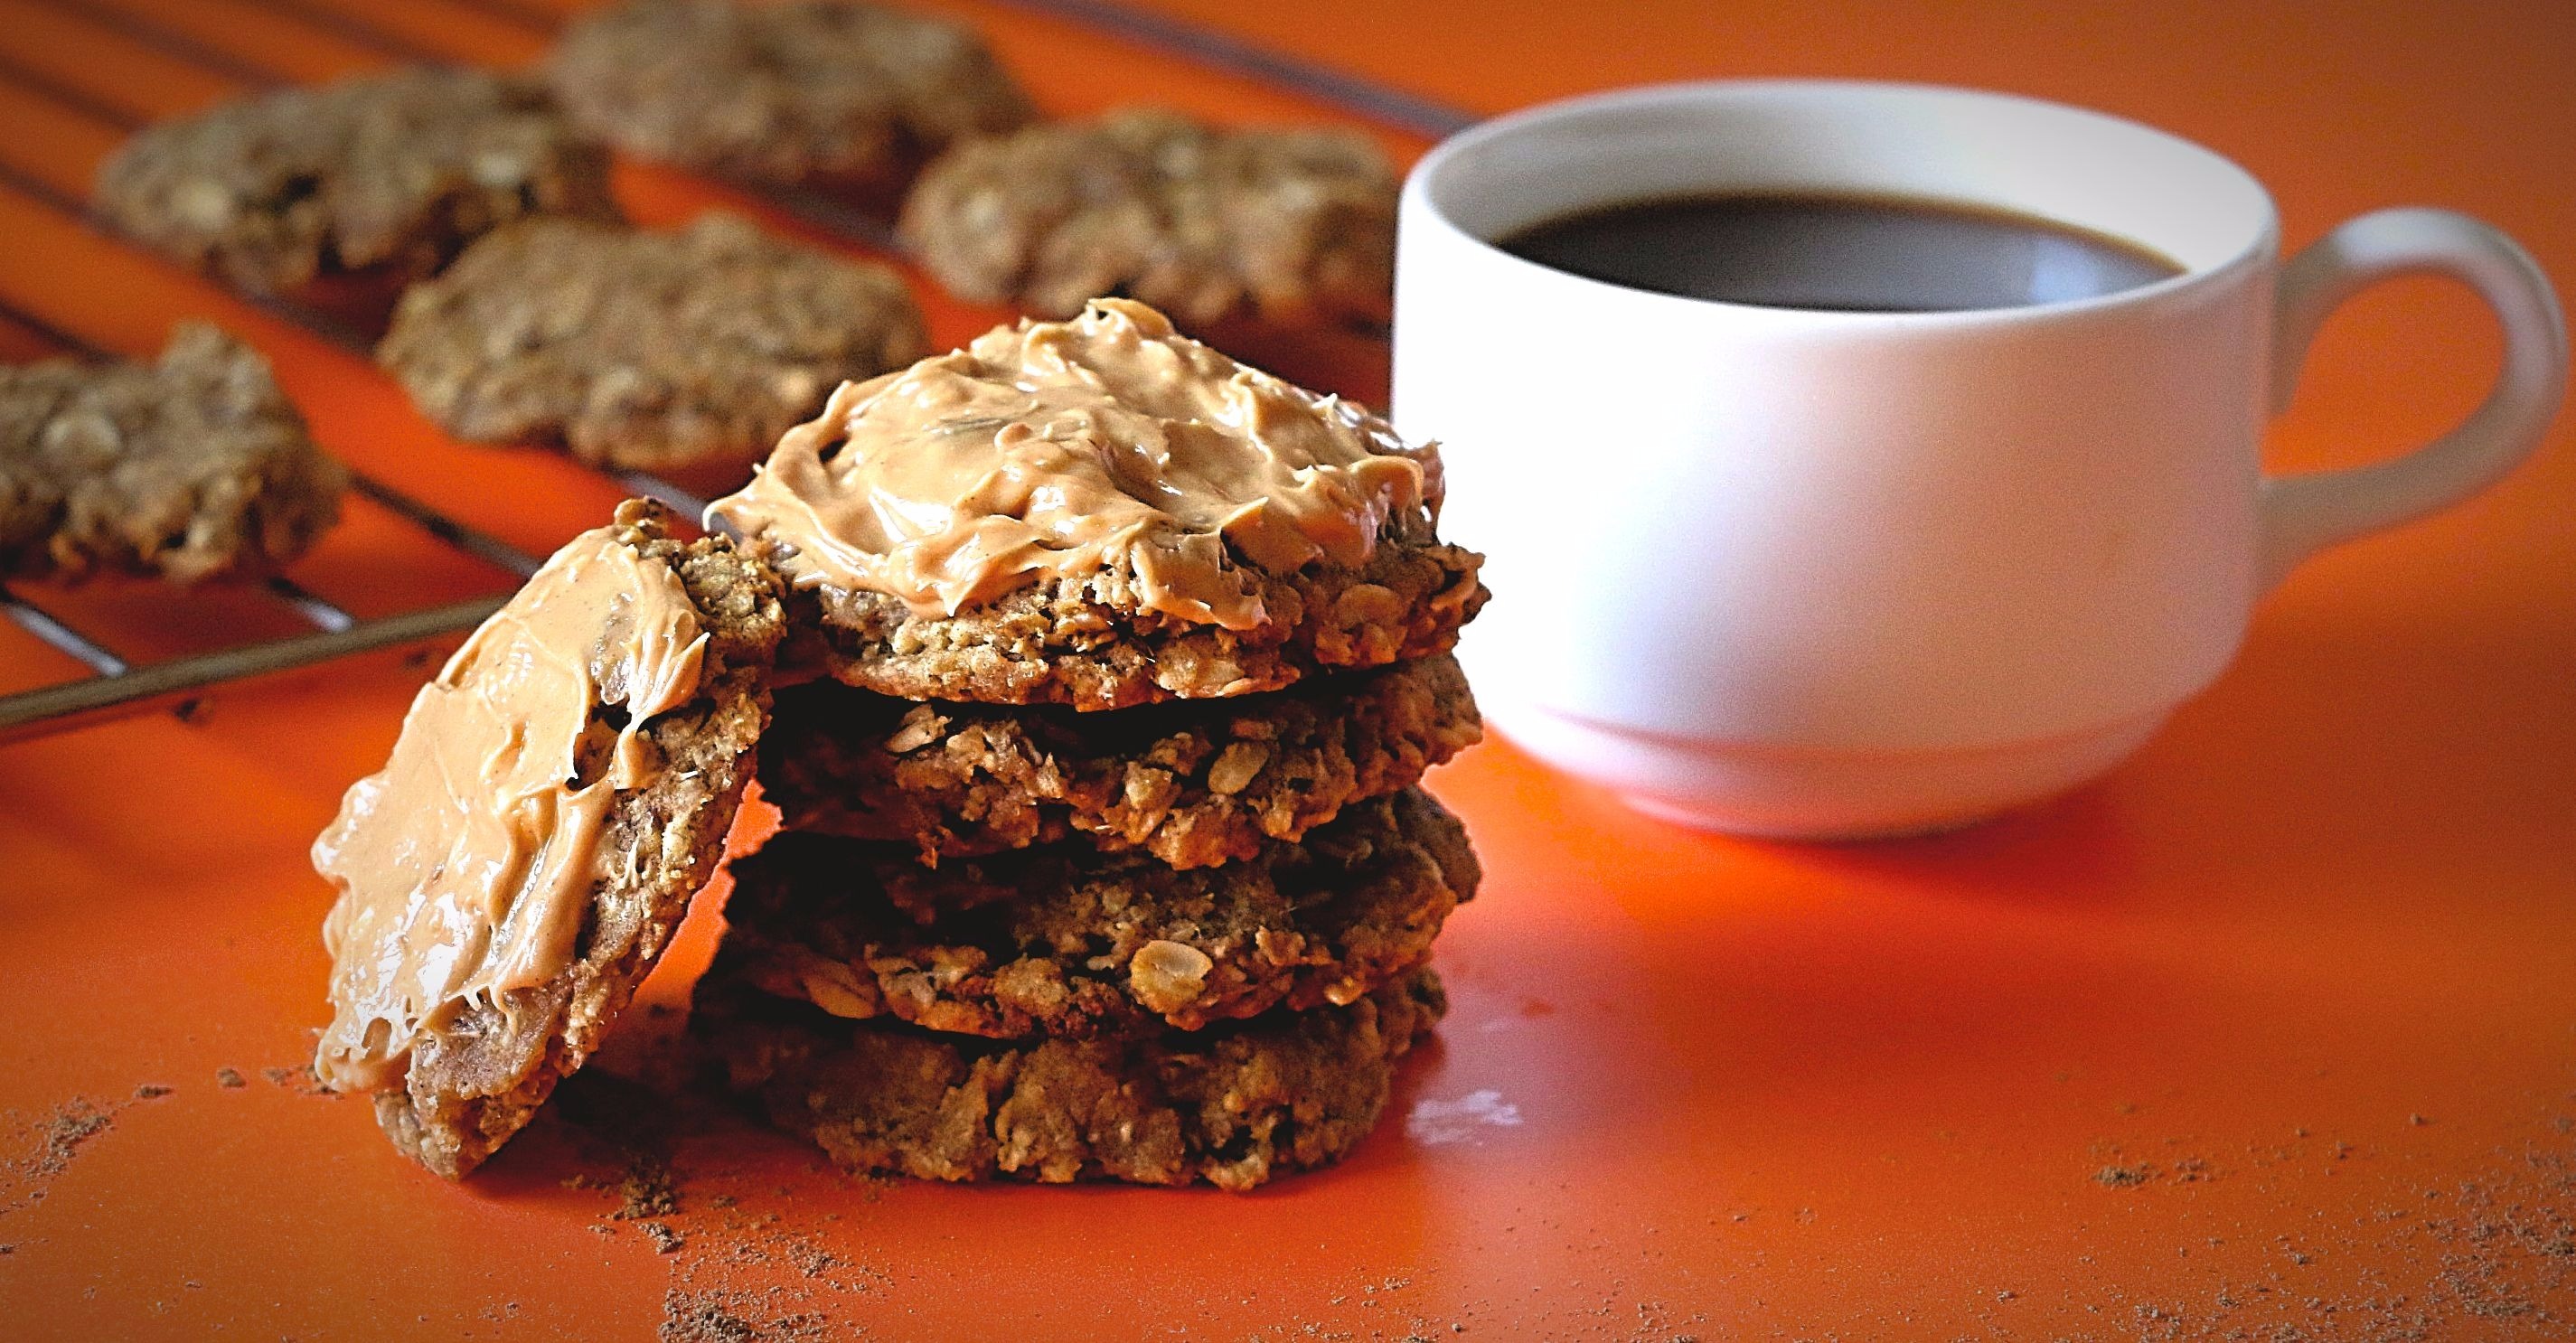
(2273, 1032)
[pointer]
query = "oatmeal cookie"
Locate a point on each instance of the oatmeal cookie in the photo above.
(1077, 944)
(559, 793)
(1103, 513)
(644, 349)
(831, 90)
(1092, 644)
(1194, 782)
(1233, 1106)
(1290, 226)
(395, 171)
(189, 468)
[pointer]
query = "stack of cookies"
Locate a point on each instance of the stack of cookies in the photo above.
(1102, 852)
(1093, 675)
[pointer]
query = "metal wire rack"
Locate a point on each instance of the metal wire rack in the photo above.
(119, 685)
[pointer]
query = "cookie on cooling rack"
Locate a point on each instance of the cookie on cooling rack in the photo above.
(391, 173)
(833, 91)
(189, 468)
(644, 349)
(1290, 226)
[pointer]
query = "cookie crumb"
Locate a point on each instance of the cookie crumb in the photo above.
(74, 1122)
(230, 1077)
(300, 1079)
(732, 1317)
(2123, 1177)
(646, 1190)
(152, 1091)
(812, 1260)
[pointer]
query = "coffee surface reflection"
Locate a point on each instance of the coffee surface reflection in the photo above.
(1844, 253)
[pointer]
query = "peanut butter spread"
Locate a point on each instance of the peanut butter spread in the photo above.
(465, 865)
(1059, 449)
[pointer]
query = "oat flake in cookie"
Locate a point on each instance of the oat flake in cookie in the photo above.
(1289, 225)
(836, 91)
(190, 468)
(558, 794)
(644, 349)
(1103, 513)
(393, 171)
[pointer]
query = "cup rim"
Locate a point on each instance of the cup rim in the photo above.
(1420, 200)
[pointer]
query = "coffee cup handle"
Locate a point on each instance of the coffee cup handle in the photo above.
(2305, 513)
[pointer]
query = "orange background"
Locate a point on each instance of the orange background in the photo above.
(2273, 1030)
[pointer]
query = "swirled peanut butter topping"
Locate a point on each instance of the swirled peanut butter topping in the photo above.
(464, 865)
(1059, 449)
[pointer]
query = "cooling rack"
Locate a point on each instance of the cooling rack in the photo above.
(118, 682)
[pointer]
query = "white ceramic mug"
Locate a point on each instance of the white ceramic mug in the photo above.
(1831, 574)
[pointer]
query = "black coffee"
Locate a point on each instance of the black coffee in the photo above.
(1847, 253)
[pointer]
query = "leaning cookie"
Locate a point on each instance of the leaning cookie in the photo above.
(1103, 513)
(384, 173)
(1085, 945)
(836, 91)
(644, 349)
(1291, 226)
(559, 792)
(190, 468)
(1193, 782)
(1233, 1107)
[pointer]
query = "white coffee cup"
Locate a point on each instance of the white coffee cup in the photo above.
(1831, 574)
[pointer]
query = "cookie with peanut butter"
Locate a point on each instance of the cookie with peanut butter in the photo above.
(1291, 226)
(839, 92)
(1070, 942)
(559, 792)
(1192, 782)
(191, 467)
(644, 349)
(387, 173)
(1234, 1106)
(1103, 513)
